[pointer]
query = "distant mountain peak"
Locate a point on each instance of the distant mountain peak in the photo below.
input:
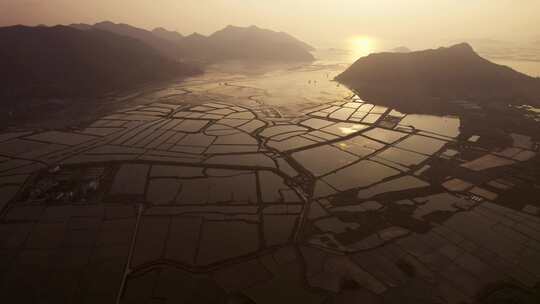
(230, 43)
(162, 29)
(462, 47)
(195, 37)
(164, 46)
(401, 49)
(195, 34)
(236, 27)
(239, 33)
(168, 35)
(106, 23)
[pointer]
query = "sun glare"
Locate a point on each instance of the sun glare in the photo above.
(362, 46)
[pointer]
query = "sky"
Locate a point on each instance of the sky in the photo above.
(323, 23)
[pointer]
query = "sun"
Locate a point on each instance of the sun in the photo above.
(362, 46)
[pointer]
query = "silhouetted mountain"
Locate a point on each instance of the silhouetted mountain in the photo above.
(195, 38)
(242, 34)
(246, 43)
(196, 47)
(230, 43)
(168, 35)
(401, 49)
(417, 80)
(259, 44)
(163, 46)
(63, 61)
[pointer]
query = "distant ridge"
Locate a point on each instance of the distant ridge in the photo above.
(240, 33)
(164, 47)
(231, 43)
(417, 80)
(168, 35)
(61, 61)
(248, 44)
(81, 26)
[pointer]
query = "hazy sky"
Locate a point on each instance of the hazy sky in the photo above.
(414, 23)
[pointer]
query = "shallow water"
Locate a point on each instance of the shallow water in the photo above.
(446, 126)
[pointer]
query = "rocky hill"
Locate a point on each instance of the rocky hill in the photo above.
(419, 80)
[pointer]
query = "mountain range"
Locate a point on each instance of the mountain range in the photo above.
(418, 81)
(61, 61)
(164, 47)
(231, 43)
(172, 36)
(84, 60)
